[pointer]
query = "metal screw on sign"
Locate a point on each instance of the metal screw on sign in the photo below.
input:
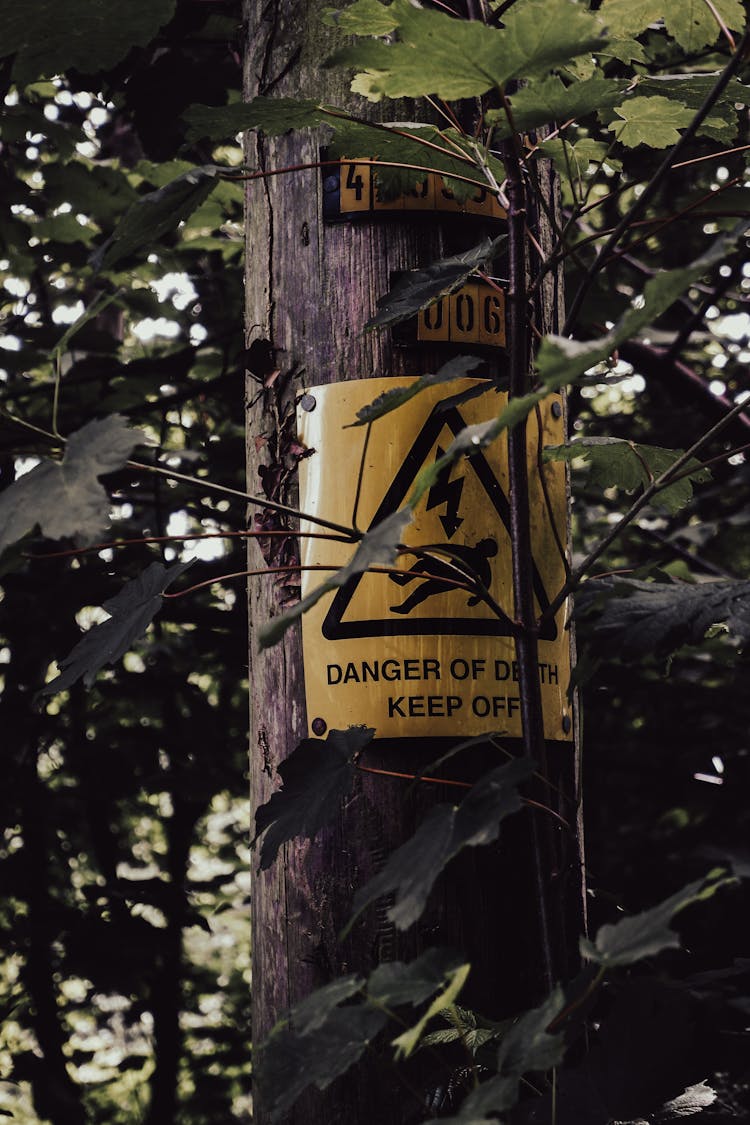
(308, 403)
(319, 726)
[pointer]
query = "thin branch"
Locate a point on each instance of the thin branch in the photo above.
(459, 785)
(258, 501)
(296, 568)
(540, 465)
(711, 156)
(111, 544)
(527, 649)
(360, 475)
(717, 460)
(726, 32)
(455, 563)
(660, 224)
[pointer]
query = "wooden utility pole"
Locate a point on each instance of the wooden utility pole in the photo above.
(310, 288)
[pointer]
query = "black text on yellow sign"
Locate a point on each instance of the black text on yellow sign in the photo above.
(474, 314)
(359, 191)
(412, 652)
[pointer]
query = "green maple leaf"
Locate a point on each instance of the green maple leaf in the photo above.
(690, 22)
(437, 54)
(550, 100)
(364, 17)
(624, 18)
(693, 24)
(653, 121)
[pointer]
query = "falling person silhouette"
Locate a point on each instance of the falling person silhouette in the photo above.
(473, 561)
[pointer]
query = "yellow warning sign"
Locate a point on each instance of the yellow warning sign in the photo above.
(417, 651)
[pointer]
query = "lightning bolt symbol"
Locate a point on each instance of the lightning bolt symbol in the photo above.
(448, 492)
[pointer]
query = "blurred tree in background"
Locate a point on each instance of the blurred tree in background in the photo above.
(123, 910)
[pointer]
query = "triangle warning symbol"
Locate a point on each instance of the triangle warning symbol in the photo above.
(396, 620)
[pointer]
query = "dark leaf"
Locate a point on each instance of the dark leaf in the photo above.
(413, 868)
(131, 612)
(432, 53)
(65, 498)
(273, 116)
(549, 99)
(420, 288)
(312, 1012)
(290, 1061)
(643, 1053)
(314, 777)
(648, 933)
(526, 1046)
(457, 368)
(377, 547)
(47, 37)
(616, 463)
(635, 617)
(529, 1045)
(395, 983)
(155, 215)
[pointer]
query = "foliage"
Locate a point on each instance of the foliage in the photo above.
(635, 617)
(420, 289)
(123, 829)
(615, 463)
(317, 1040)
(130, 614)
(125, 979)
(412, 869)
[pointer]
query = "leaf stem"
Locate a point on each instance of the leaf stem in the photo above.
(459, 785)
(351, 534)
(725, 30)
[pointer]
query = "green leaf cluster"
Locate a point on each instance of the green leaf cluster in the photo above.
(432, 53)
(318, 1039)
